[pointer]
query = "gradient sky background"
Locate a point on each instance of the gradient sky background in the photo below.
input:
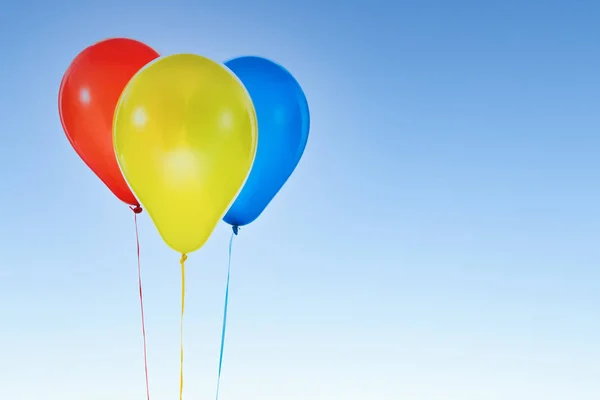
(438, 241)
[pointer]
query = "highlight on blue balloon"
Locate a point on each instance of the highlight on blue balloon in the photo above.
(283, 125)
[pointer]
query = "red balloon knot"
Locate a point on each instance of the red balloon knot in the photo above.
(136, 209)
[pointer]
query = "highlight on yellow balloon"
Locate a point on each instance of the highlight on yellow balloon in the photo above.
(185, 136)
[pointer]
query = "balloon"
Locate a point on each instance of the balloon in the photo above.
(88, 94)
(283, 124)
(185, 136)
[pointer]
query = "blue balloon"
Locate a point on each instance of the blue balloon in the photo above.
(283, 124)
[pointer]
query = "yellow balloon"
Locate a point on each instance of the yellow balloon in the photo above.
(185, 136)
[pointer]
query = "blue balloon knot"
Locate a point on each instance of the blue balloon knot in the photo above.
(236, 229)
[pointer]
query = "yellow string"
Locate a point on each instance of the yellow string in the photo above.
(182, 262)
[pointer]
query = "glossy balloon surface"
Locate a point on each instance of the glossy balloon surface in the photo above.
(283, 126)
(88, 95)
(185, 136)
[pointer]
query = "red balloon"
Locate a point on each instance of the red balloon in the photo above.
(87, 99)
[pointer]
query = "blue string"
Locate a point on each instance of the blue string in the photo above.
(235, 232)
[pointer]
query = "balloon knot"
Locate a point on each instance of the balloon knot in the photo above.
(183, 258)
(136, 209)
(236, 229)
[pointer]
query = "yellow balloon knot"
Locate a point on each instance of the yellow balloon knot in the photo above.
(183, 258)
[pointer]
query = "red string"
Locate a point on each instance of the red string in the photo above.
(136, 210)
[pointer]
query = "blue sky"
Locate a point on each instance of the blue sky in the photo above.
(439, 239)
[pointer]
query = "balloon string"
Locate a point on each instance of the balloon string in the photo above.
(235, 232)
(136, 210)
(182, 262)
